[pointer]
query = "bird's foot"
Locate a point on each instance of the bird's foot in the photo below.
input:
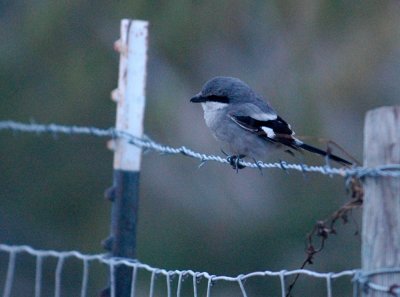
(234, 161)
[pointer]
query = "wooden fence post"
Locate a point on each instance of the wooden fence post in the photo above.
(381, 213)
(124, 194)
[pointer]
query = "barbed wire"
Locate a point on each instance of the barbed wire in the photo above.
(392, 170)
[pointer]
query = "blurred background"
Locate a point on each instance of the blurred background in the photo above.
(321, 64)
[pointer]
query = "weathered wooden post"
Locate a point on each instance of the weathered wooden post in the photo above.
(124, 194)
(381, 214)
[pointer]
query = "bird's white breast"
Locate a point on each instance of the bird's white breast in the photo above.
(211, 111)
(213, 106)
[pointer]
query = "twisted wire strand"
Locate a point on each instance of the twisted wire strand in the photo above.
(392, 170)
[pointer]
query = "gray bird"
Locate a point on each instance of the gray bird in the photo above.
(238, 116)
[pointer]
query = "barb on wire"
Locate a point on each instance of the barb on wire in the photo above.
(146, 143)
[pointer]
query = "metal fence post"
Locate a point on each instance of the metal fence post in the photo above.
(124, 194)
(381, 214)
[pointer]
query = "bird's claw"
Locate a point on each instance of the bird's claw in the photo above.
(234, 162)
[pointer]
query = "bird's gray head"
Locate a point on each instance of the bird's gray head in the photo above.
(223, 90)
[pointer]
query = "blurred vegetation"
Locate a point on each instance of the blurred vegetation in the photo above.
(322, 65)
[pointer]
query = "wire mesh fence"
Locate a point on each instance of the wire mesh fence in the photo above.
(31, 272)
(147, 280)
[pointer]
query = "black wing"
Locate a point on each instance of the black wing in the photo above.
(275, 130)
(280, 132)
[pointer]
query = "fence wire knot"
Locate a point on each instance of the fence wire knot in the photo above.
(363, 281)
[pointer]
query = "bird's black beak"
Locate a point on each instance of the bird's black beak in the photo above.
(198, 98)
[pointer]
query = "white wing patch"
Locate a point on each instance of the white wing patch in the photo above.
(270, 133)
(263, 116)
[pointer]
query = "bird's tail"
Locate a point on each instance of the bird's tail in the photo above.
(323, 153)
